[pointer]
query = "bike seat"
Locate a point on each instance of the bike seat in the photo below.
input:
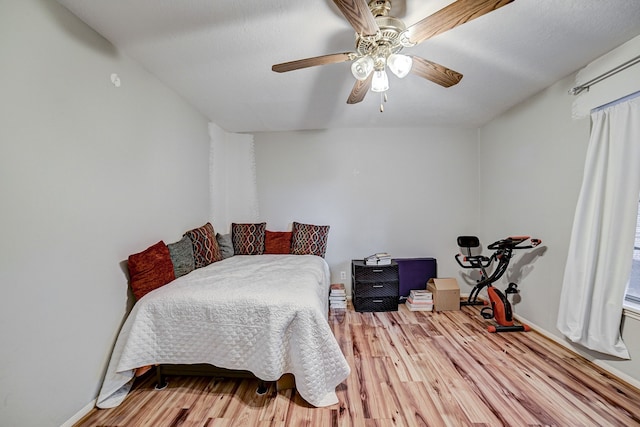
(468, 241)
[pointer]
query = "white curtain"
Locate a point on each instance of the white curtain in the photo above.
(601, 247)
(233, 190)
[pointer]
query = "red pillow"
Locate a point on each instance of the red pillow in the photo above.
(277, 242)
(150, 269)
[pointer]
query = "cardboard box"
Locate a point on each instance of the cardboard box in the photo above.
(446, 293)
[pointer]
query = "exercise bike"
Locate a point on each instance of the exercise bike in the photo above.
(500, 309)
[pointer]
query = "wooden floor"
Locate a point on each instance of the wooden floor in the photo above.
(408, 369)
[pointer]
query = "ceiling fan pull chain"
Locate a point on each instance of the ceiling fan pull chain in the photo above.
(383, 98)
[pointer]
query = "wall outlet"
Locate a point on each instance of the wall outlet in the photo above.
(343, 275)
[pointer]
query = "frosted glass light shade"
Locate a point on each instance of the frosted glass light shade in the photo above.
(400, 65)
(380, 81)
(362, 67)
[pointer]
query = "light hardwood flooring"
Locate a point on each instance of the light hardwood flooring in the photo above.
(407, 369)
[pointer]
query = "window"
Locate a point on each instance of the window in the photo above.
(633, 290)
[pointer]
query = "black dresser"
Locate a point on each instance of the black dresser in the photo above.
(374, 287)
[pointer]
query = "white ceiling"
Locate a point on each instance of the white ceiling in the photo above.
(218, 55)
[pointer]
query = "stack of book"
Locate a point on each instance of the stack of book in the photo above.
(381, 258)
(337, 296)
(420, 300)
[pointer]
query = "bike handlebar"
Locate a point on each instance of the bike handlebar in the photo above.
(512, 242)
(500, 246)
(477, 261)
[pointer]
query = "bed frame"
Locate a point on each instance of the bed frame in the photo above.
(205, 370)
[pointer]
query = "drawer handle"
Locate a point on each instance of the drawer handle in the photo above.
(378, 286)
(378, 271)
(377, 300)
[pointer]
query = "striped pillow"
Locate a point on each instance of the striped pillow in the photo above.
(248, 239)
(205, 245)
(309, 239)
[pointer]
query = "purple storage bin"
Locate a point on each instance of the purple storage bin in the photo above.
(414, 274)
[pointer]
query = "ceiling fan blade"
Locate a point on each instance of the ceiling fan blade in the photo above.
(449, 17)
(359, 15)
(312, 62)
(435, 72)
(360, 89)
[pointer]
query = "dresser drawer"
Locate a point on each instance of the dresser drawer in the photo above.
(376, 289)
(376, 304)
(380, 273)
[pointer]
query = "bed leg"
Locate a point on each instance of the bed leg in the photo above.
(262, 388)
(161, 383)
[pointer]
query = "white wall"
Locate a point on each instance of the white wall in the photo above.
(233, 186)
(89, 173)
(409, 192)
(531, 164)
(531, 167)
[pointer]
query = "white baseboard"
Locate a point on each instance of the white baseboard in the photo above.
(81, 413)
(601, 364)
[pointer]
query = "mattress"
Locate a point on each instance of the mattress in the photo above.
(266, 314)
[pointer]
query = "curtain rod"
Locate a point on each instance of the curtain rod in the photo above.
(585, 86)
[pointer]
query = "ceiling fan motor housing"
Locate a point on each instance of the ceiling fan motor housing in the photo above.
(388, 38)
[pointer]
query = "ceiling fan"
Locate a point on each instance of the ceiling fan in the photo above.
(381, 37)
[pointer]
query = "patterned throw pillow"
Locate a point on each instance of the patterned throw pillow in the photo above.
(248, 239)
(182, 256)
(205, 245)
(308, 239)
(277, 242)
(150, 269)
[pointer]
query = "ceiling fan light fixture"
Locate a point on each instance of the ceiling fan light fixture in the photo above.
(400, 65)
(362, 67)
(380, 81)
(380, 37)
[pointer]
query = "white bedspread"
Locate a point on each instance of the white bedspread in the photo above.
(263, 313)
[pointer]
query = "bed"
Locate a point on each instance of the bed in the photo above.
(266, 314)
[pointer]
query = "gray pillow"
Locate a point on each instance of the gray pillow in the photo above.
(181, 253)
(226, 245)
